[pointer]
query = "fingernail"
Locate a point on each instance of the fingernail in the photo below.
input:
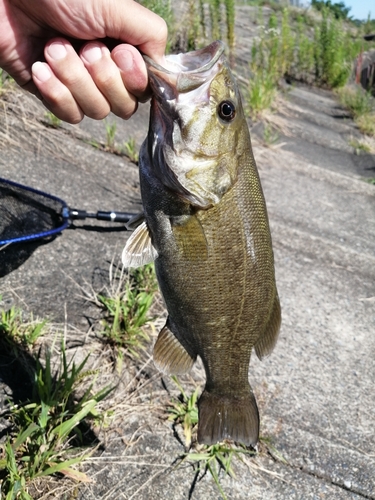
(124, 59)
(41, 71)
(57, 50)
(92, 53)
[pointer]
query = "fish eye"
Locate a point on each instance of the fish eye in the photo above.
(227, 110)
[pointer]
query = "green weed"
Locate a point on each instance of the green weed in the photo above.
(126, 309)
(110, 131)
(15, 329)
(216, 458)
(358, 101)
(270, 135)
(320, 54)
(230, 14)
(5, 80)
(360, 146)
(164, 9)
(184, 411)
(271, 59)
(52, 120)
(332, 64)
(203, 23)
(131, 150)
(361, 106)
(366, 124)
(44, 432)
(261, 93)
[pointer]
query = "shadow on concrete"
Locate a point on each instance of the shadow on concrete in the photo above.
(15, 254)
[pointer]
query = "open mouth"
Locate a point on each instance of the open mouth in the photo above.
(184, 72)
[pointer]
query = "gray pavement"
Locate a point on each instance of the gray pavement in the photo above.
(316, 391)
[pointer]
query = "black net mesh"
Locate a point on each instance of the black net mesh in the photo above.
(27, 214)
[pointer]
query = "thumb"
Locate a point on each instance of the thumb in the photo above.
(132, 23)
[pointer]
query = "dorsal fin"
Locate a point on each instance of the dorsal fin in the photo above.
(268, 339)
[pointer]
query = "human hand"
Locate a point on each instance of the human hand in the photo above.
(93, 81)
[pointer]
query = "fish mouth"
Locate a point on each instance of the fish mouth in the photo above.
(183, 73)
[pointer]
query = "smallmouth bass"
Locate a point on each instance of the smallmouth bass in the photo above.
(206, 227)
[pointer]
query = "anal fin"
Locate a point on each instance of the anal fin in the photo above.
(268, 339)
(170, 356)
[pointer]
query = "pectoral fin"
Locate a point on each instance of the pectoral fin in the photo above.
(170, 356)
(139, 250)
(135, 221)
(191, 239)
(267, 341)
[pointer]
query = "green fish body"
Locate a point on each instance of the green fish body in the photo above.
(206, 227)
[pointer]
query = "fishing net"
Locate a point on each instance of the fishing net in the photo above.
(28, 214)
(29, 217)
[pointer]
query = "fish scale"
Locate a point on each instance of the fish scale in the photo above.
(206, 227)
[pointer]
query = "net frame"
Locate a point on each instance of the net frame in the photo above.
(63, 215)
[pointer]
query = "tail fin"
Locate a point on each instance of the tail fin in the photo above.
(234, 418)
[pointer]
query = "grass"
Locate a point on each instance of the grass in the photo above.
(110, 134)
(15, 329)
(320, 54)
(360, 147)
(52, 120)
(130, 149)
(184, 411)
(203, 23)
(270, 134)
(361, 105)
(5, 81)
(164, 9)
(45, 433)
(126, 306)
(49, 436)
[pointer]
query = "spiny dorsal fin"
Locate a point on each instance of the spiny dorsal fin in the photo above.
(170, 356)
(267, 341)
(139, 250)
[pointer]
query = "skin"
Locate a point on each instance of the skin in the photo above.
(38, 40)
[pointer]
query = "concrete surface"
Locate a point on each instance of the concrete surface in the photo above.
(316, 391)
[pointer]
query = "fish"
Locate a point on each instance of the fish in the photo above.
(205, 226)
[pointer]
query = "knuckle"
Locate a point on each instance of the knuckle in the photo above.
(108, 78)
(72, 79)
(125, 111)
(162, 33)
(97, 114)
